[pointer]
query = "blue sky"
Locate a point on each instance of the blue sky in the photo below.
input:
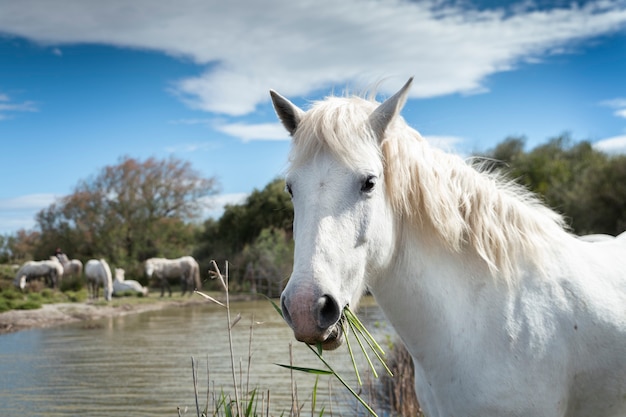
(84, 83)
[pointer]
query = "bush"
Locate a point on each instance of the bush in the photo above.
(29, 304)
(72, 284)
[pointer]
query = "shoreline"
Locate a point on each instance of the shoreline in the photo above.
(50, 315)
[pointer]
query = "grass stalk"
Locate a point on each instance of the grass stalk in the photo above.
(360, 333)
(216, 273)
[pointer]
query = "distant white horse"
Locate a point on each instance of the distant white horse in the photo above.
(51, 270)
(97, 274)
(71, 267)
(122, 285)
(186, 269)
(503, 311)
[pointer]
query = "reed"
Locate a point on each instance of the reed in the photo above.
(252, 403)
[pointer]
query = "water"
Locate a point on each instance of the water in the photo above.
(140, 365)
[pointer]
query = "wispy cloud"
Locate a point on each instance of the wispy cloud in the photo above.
(261, 131)
(242, 49)
(19, 212)
(191, 147)
(217, 203)
(191, 122)
(8, 107)
(614, 145)
(32, 201)
(446, 143)
(618, 104)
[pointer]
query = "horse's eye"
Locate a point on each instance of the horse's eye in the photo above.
(368, 184)
(288, 189)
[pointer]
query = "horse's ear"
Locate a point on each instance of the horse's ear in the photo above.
(288, 113)
(384, 114)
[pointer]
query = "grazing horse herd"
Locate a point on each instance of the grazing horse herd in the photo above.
(97, 274)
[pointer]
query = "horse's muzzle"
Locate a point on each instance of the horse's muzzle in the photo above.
(317, 322)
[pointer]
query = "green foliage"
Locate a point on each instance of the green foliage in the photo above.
(128, 293)
(268, 208)
(587, 186)
(28, 304)
(258, 231)
(35, 295)
(72, 283)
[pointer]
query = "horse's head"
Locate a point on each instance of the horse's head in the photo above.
(343, 225)
(119, 274)
(149, 268)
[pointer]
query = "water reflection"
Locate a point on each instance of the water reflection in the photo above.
(140, 364)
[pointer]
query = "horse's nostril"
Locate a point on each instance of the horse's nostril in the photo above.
(283, 307)
(328, 311)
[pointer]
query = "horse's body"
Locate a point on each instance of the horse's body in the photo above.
(122, 285)
(503, 311)
(51, 270)
(98, 274)
(186, 269)
(71, 267)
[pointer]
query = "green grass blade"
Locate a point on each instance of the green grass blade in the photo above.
(355, 320)
(345, 384)
(369, 339)
(250, 404)
(276, 307)
(356, 369)
(314, 396)
(367, 357)
(306, 370)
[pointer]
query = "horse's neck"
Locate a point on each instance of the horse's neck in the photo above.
(429, 294)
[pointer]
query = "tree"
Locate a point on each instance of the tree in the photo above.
(129, 211)
(269, 208)
(603, 198)
(242, 224)
(585, 185)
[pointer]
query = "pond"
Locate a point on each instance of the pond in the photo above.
(140, 364)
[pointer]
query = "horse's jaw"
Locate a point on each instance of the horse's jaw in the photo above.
(335, 338)
(329, 339)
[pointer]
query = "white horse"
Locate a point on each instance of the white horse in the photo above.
(97, 274)
(51, 270)
(503, 311)
(122, 285)
(185, 268)
(71, 267)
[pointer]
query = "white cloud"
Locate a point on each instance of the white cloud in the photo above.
(216, 204)
(296, 47)
(446, 143)
(191, 122)
(614, 145)
(32, 201)
(614, 103)
(191, 147)
(8, 107)
(19, 212)
(617, 103)
(261, 131)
